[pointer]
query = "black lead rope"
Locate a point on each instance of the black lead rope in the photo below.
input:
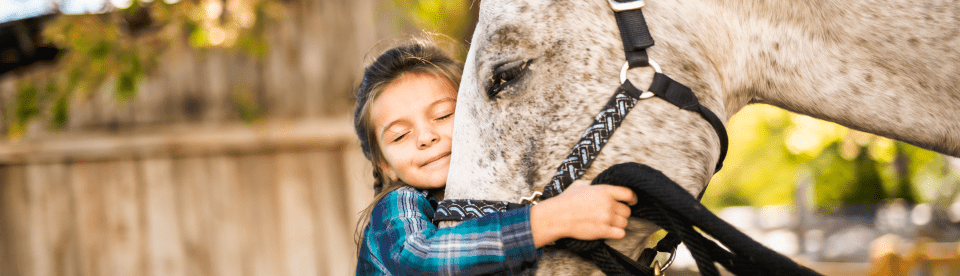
(663, 202)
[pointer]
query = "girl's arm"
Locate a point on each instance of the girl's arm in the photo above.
(409, 243)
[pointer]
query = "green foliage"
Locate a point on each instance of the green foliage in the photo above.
(771, 150)
(450, 18)
(26, 103)
(107, 51)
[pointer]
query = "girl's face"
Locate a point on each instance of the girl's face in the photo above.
(413, 120)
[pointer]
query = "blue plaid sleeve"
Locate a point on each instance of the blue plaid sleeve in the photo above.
(402, 240)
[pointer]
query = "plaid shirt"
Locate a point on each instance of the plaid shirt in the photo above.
(401, 239)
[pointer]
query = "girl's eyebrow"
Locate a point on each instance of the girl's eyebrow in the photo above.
(443, 100)
(431, 105)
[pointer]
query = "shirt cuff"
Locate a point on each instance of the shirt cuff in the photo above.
(518, 239)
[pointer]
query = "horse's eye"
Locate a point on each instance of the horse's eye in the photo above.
(504, 75)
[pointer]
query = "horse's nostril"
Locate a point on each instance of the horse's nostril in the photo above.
(504, 75)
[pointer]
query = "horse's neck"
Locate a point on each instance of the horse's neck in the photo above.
(875, 67)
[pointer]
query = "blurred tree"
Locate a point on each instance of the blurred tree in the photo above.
(117, 49)
(771, 149)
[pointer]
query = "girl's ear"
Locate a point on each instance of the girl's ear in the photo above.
(387, 171)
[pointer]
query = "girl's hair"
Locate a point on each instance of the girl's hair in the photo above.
(420, 56)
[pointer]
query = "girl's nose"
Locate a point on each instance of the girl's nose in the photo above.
(427, 138)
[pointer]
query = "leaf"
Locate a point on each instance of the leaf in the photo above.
(60, 111)
(26, 104)
(100, 50)
(126, 86)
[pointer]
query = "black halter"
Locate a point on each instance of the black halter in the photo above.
(636, 39)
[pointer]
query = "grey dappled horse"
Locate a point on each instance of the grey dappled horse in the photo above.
(886, 67)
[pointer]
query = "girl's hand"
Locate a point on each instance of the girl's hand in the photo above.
(584, 212)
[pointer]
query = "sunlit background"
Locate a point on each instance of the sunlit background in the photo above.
(213, 137)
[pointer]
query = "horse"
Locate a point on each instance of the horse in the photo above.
(886, 67)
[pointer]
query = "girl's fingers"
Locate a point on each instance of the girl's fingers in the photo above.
(620, 222)
(621, 210)
(621, 194)
(616, 233)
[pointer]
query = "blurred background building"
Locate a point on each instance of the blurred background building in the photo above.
(213, 137)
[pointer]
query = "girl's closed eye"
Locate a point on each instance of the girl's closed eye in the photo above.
(445, 116)
(399, 137)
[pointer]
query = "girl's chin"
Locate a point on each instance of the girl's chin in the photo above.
(427, 184)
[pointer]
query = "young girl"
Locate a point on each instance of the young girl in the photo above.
(404, 119)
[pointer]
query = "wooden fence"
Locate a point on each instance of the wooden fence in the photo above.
(175, 183)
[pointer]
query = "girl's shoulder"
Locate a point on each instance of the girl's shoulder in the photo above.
(404, 193)
(405, 201)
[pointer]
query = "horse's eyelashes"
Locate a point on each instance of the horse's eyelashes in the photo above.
(504, 75)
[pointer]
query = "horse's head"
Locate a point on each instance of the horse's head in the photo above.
(537, 73)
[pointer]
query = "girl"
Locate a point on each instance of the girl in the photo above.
(404, 119)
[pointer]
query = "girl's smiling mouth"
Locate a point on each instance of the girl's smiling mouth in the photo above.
(444, 156)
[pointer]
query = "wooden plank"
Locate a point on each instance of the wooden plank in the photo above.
(180, 140)
(107, 107)
(313, 60)
(258, 174)
(147, 105)
(216, 90)
(296, 215)
(333, 225)
(244, 78)
(344, 50)
(124, 244)
(35, 186)
(358, 176)
(228, 239)
(196, 218)
(82, 113)
(125, 110)
(52, 239)
(60, 226)
(166, 254)
(90, 212)
(178, 74)
(273, 74)
(194, 103)
(108, 223)
(15, 251)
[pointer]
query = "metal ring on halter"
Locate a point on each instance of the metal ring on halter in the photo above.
(623, 76)
(626, 6)
(673, 256)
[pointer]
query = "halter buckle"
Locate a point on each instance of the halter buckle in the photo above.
(626, 6)
(533, 199)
